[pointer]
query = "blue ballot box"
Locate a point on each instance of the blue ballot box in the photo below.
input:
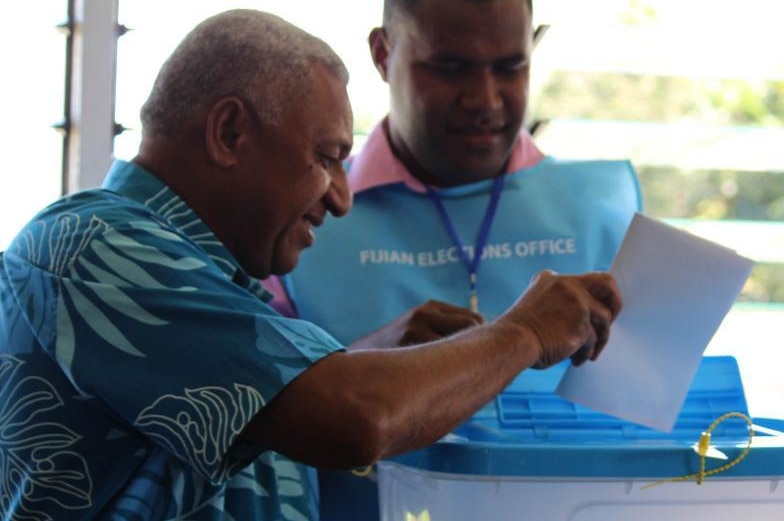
(533, 455)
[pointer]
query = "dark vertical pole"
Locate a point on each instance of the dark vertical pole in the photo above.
(65, 126)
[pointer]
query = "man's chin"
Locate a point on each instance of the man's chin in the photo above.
(475, 173)
(472, 166)
(285, 265)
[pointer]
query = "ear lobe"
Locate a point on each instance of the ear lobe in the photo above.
(227, 128)
(379, 50)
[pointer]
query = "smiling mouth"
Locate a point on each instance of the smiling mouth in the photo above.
(313, 220)
(479, 131)
(483, 135)
(480, 139)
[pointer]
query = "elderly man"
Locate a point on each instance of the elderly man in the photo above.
(143, 374)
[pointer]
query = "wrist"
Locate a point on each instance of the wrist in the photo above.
(522, 338)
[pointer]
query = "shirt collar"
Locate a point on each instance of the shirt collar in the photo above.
(132, 181)
(377, 165)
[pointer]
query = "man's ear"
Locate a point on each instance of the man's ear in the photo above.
(228, 127)
(379, 50)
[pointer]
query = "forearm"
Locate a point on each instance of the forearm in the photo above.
(353, 408)
(431, 390)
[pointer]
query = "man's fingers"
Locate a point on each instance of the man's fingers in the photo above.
(449, 324)
(435, 319)
(446, 319)
(601, 319)
(605, 308)
(585, 352)
(604, 288)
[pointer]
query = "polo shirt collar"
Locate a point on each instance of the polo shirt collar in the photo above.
(376, 165)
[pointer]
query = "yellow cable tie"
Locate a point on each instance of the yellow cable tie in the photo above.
(703, 448)
(704, 445)
(362, 472)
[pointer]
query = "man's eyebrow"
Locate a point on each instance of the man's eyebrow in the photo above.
(343, 146)
(516, 57)
(448, 56)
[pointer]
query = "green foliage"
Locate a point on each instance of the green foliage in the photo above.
(670, 192)
(726, 194)
(632, 97)
(638, 13)
(713, 194)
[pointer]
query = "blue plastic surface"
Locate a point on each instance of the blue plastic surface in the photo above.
(530, 410)
(530, 431)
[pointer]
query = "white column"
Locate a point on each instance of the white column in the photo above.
(94, 61)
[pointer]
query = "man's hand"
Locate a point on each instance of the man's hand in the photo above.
(424, 323)
(569, 315)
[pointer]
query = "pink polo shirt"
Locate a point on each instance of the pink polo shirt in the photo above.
(376, 165)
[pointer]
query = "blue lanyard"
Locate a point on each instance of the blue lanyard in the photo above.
(471, 264)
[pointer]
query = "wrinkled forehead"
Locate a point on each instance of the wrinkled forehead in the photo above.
(324, 105)
(321, 83)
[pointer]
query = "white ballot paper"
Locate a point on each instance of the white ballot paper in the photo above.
(676, 289)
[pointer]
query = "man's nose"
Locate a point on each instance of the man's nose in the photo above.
(338, 198)
(482, 91)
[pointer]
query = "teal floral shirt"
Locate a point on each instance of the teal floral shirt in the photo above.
(133, 352)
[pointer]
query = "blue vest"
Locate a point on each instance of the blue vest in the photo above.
(393, 252)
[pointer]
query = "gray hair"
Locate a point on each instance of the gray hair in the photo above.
(255, 55)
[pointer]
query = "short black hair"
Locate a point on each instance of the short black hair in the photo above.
(396, 6)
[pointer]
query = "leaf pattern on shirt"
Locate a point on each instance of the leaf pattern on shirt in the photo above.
(116, 259)
(307, 336)
(208, 421)
(35, 450)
